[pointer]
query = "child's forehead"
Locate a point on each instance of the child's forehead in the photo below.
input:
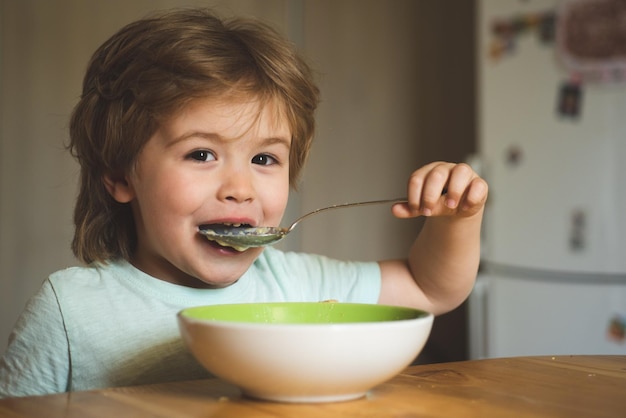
(230, 115)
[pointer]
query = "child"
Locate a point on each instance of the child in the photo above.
(187, 120)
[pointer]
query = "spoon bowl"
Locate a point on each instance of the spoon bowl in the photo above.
(241, 238)
(244, 237)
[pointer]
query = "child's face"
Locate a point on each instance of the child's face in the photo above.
(215, 162)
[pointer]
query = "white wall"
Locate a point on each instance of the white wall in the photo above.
(366, 145)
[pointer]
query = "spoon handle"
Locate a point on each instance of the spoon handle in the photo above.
(347, 205)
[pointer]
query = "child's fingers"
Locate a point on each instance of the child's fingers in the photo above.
(442, 188)
(425, 188)
(475, 197)
(460, 177)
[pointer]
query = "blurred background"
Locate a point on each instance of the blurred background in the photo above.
(531, 92)
(398, 91)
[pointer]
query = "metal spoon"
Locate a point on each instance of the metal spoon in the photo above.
(242, 238)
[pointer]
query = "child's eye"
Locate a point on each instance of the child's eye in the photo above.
(201, 155)
(264, 159)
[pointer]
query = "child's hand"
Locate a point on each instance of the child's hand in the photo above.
(443, 189)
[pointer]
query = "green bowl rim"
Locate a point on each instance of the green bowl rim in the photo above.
(421, 315)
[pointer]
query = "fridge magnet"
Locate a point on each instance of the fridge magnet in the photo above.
(590, 39)
(577, 230)
(617, 329)
(546, 31)
(514, 156)
(570, 100)
(506, 31)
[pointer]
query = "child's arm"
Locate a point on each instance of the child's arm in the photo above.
(443, 261)
(37, 359)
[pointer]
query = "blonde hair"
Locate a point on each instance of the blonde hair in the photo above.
(145, 73)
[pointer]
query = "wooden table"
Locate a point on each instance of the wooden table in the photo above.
(560, 386)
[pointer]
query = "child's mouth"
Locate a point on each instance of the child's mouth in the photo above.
(224, 227)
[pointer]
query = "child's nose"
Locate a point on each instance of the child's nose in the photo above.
(236, 186)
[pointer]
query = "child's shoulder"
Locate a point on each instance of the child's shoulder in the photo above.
(90, 272)
(95, 277)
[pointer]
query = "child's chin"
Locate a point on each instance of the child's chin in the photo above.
(228, 272)
(217, 283)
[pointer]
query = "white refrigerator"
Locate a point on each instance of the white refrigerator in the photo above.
(553, 271)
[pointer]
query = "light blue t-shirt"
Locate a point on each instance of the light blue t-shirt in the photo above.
(113, 325)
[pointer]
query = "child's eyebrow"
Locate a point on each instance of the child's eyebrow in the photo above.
(195, 134)
(277, 140)
(271, 140)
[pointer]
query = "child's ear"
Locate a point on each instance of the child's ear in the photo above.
(119, 188)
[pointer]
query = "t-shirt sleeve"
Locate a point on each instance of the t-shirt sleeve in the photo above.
(36, 361)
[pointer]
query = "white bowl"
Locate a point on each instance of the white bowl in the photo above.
(304, 352)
